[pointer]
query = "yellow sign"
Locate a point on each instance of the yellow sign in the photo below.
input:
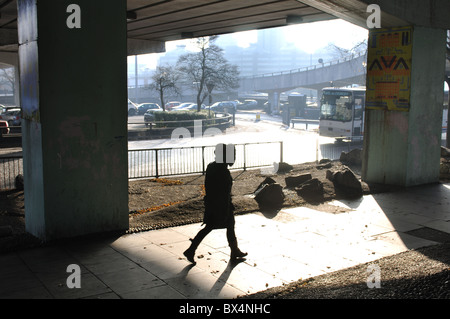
(388, 82)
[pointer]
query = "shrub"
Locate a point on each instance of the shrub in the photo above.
(181, 118)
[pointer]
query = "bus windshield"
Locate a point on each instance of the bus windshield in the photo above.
(336, 106)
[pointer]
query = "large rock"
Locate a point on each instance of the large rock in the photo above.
(294, 181)
(269, 194)
(445, 152)
(444, 169)
(284, 167)
(352, 157)
(311, 190)
(346, 184)
(18, 182)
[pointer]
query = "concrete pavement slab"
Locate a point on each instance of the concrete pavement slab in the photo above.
(292, 244)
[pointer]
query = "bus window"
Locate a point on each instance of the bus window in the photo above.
(358, 109)
(336, 106)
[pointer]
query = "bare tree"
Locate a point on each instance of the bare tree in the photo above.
(340, 53)
(7, 78)
(208, 69)
(165, 81)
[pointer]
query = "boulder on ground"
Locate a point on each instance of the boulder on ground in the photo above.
(269, 194)
(352, 157)
(18, 182)
(311, 190)
(444, 169)
(293, 181)
(284, 167)
(346, 184)
(445, 152)
(312, 187)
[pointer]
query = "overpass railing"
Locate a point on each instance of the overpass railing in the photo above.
(308, 68)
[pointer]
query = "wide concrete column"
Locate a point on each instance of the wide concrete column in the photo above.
(402, 142)
(74, 94)
(274, 100)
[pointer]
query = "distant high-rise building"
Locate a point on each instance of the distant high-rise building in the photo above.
(270, 54)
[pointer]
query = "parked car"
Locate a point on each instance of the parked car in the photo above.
(171, 105)
(132, 108)
(248, 104)
(182, 106)
(193, 106)
(144, 107)
(222, 106)
(12, 116)
(2, 107)
(4, 128)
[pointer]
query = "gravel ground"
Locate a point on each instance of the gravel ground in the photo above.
(415, 274)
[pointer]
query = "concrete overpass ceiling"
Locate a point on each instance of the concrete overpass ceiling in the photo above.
(158, 21)
(177, 19)
(8, 25)
(355, 11)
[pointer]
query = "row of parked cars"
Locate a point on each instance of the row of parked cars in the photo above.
(147, 109)
(10, 116)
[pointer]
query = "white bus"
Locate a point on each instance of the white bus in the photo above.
(342, 113)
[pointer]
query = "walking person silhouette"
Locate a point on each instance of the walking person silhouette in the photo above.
(219, 209)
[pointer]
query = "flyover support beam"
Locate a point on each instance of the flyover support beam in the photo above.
(402, 147)
(274, 100)
(73, 65)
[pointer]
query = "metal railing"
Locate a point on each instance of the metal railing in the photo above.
(10, 167)
(158, 162)
(194, 160)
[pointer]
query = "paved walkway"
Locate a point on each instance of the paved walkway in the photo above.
(296, 243)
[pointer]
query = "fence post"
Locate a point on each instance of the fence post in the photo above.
(156, 163)
(203, 160)
(281, 151)
(245, 165)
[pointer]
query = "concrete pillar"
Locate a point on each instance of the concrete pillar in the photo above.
(74, 94)
(274, 100)
(401, 147)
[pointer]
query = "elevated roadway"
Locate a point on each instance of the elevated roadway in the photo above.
(346, 71)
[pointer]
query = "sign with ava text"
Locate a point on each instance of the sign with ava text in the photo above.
(388, 83)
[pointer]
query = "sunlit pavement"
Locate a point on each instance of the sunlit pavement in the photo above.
(295, 243)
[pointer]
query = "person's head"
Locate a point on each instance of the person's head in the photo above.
(225, 153)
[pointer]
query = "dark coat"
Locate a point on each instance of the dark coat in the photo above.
(218, 206)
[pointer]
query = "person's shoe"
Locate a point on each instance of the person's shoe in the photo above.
(237, 254)
(189, 254)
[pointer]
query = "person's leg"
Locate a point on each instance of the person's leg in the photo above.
(232, 241)
(190, 252)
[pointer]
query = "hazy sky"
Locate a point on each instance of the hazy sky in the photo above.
(308, 37)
